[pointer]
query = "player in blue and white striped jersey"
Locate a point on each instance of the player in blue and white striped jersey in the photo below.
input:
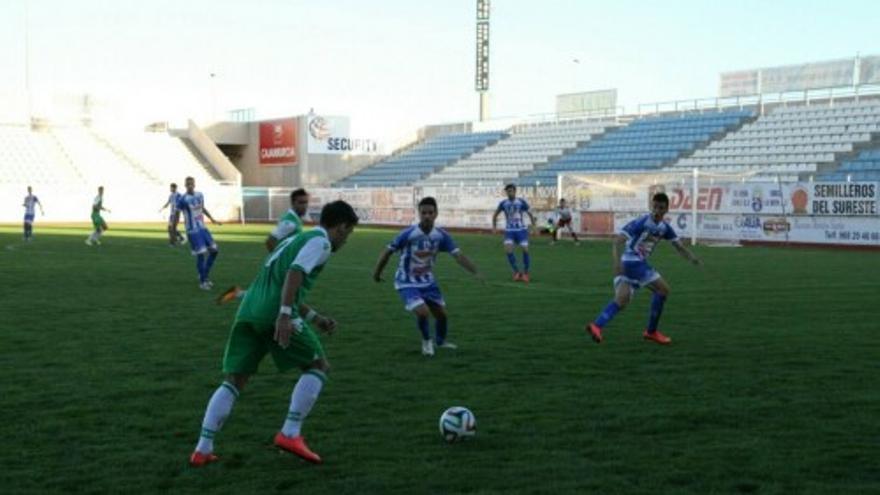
(515, 231)
(414, 280)
(174, 237)
(202, 245)
(632, 271)
(30, 203)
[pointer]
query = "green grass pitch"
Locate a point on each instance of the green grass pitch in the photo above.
(109, 355)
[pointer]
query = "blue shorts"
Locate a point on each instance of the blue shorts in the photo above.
(416, 296)
(520, 237)
(28, 218)
(637, 274)
(201, 241)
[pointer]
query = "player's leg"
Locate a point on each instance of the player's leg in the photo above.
(441, 325)
(511, 257)
(573, 233)
(304, 348)
(661, 291)
(623, 292)
(245, 348)
(523, 241)
(172, 238)
(212, 254)
(414, 303)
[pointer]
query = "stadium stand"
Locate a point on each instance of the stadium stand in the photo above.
(791, 140)
(645, 144)
(166, 158)
(864, 167)
(422, 159)
(528, 147)
(34, 158)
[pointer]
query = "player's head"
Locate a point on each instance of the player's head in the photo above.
(173, 187)
(100, 190)
(299, 201)
(659, 206)
(190, 184)
(427, 212)
(562, 203)
(510, 189)
(29, 189)
(338, 219)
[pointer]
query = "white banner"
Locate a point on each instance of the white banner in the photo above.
(329, 135)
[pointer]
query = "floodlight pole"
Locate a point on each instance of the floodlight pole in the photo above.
(481, 82)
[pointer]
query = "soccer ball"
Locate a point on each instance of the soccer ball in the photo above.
(457, 423)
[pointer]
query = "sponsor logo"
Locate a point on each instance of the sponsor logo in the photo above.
(708, 198)
(681, 221)
(776, 226)
(319, 128)
(748, 222)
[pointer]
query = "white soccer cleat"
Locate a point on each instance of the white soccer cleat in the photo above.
(204, 286)
(88, 242)
(448, 345)
(427, 348)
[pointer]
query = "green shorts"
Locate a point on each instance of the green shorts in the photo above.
(98, 220)
(249, 342)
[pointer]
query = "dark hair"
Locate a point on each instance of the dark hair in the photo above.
(428, 201)
(173, 185)
(661, 198)
(510, 186)
(297, 193)
(189, 178)
(337, 213)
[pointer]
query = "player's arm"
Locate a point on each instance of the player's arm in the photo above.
(287, 322)
(495, 219)
(41, 206)
(166, 205)
(324, 323)
(380, 264)
(534, 224)
(468, 265)
(686, 253)
(207, 214)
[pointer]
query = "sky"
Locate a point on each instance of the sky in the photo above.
(393, 66)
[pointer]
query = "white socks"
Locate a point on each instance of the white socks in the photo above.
(218, 410)
(305, 393)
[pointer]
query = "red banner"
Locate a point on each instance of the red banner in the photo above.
(278, 142)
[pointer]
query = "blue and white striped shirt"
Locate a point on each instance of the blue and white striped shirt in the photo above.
(643, 234)
(418, 253)
(192, 206)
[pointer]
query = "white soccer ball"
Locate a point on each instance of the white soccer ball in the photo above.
(457, 423)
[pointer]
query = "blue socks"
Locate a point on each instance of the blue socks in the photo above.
(423, 327)
(656, 310)
(442, 325)
(607, 314)
(511, 258)
(201, 260)
(526, 261)
(208, 264)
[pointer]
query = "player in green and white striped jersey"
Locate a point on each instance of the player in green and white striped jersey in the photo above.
(289, 224)
(274, 319)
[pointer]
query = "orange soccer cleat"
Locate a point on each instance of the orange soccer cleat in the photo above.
(525, 277)
(517, 276)
(229, 295)
(595, 332)
(199, 459)
(297, 446)
(657, 337)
